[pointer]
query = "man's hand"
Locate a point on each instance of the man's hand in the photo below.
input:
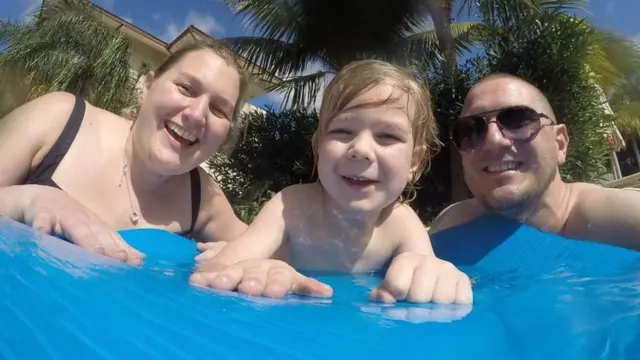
(54, 212)
(264, 277)
(421, 278)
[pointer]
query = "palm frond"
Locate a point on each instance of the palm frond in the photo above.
(9, 29)
(506, 11)
(622, 55)
(279, 57)
(273, 19)
(564, 4)
(611, 58)
(627, 118)
(425, 43)
(301, 91)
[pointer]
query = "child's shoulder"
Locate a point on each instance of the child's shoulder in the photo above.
(402, 216)
(309, 191)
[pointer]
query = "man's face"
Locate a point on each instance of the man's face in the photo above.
(505, 169)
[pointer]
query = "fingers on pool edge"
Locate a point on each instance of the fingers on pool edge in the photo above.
(381, 294)
(44, 223)
(464, 291)
(307, 286)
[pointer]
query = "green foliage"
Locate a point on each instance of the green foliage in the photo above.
(549, 50)
(274, 152)
(68, 49)
(447, 95)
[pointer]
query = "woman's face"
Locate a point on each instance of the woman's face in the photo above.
(186, 112)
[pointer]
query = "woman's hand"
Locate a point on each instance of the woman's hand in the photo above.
(54, 212)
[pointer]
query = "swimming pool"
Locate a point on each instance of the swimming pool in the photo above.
(60, 302)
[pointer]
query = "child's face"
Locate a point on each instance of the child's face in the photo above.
(365, 156)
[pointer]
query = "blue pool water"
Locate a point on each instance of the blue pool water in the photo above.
(537, 296)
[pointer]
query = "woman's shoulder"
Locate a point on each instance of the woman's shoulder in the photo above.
(53, 110)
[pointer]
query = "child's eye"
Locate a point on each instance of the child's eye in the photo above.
(340, 132)
(389, 137)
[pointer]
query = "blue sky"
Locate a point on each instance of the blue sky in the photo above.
(167, 18)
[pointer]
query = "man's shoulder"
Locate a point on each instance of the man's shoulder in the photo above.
(588, 195)
(604, 214)
(456, 214)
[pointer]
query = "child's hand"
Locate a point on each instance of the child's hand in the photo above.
(264, 277)
(421, 278)
(209, 250)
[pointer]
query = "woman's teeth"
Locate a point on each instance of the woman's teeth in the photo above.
(181, 134)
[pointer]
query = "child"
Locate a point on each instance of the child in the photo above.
(373, 139)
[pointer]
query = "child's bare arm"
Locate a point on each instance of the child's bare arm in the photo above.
(413, 235)
(415, 274)
(261, 239)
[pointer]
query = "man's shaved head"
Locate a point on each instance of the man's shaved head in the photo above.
(504, 175)
(503, 79)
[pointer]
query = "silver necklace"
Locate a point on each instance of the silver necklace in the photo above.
(134, 215)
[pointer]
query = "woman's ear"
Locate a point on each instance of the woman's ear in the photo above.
(147, 81)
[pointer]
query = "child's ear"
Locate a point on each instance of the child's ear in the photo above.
(419, 152)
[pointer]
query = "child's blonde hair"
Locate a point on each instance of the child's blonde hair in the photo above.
(361, 76)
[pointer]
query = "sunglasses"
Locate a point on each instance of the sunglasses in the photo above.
(516, 123)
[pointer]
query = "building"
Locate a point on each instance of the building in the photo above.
(148, 48)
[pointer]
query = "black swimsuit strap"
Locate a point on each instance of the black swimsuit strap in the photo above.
(44, 171)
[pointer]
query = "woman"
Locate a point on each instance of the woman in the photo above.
(70, 168)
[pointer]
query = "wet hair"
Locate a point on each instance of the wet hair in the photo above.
(361, 76)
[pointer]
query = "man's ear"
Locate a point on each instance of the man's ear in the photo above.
(419, 152)
(562, 142)
(146, 85)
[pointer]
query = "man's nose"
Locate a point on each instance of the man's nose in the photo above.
(494, 137)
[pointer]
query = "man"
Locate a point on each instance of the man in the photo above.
(511, 147)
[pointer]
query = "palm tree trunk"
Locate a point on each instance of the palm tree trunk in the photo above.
(440, 11)
(636, 152)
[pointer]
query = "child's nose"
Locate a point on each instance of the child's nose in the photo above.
(361, 149)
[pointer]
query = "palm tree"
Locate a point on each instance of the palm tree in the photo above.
(66, 48)
(291, 37)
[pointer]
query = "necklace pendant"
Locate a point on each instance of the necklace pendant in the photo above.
(134, 217)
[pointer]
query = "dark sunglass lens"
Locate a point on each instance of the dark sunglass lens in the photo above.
(468, 132)
(519, 123)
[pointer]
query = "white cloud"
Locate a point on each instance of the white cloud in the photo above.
(636, 38)
(206, 23)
